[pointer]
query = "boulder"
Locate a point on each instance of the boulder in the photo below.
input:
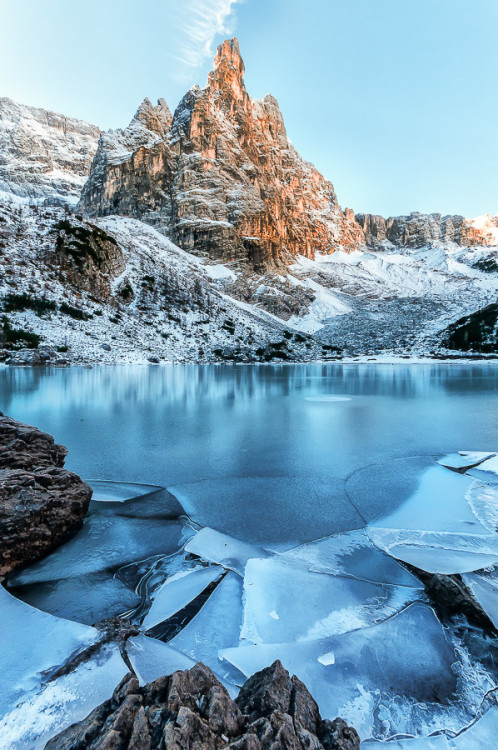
(191, 709)
(41, 503)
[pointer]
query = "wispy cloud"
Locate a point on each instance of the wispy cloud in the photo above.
(199, 23)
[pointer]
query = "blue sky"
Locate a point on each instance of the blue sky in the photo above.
(395, 101)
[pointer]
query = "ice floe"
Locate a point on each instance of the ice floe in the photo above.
(213, 546)
(284, 602)
(484, 588)
(487, 470)
(464, 460)
(137, 500)
(177, 592)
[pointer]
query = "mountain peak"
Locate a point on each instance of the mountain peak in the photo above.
(228, 54)
(155, 118)
(226, 80)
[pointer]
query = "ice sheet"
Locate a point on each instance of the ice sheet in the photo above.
(33, 644)
(105, 542)
(481, 735)
(352, 554)
(177, 592)
(285, 602)
(270, 509)
(136, 500)
(87, 599)
(405, 656)
(213, 546)
(63, 702)
(483, 499)
(215, 627)
(439, 742)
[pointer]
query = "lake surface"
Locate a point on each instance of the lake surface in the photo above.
(268, 453)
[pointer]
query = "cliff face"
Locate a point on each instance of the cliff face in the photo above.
(43, 154)
(220, 177)
(417, 230)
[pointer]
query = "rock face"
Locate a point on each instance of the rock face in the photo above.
(220, 177)
(43, 154)
(417, 230)
(477, 332)
(193, 710)
(41, 504)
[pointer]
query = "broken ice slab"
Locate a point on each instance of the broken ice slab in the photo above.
(438, 503)
(178, 591)
(464, 460)
(87, 598)
(130, 499)
(213, 546)
(105, 542)
(437, 551)
(152, 659)
(285, 602)
(63, 701)
(483, 499)
(405, 657)
(487, 471)
(217, 625)
(352, 554)
(484, 588)
(481, 735)
(440, 742)
(271, 510)
(34, 643)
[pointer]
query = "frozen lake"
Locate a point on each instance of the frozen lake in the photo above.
(267, 453)
(309, 492)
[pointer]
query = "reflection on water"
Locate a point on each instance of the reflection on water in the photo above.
(267, 448)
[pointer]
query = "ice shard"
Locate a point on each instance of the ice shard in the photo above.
(106, 542)
(406, 657)
(34, 644)
(464, 460)
(216, 626)
(486, 471)
(484, 587)
(481, 735)
(63, 701)
(136, 500)
(177, 592)
(285, 602)
(151, 658)
(213, 546)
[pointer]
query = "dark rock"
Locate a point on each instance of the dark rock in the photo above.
(477, 332)
(106, 347)
(191, 710)
(41, 504)
(27, 358)
(154, 360)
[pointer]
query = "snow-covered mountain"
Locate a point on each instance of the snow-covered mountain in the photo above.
(202, 235)
(43, 154)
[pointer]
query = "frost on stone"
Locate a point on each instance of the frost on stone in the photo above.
(34, 644)
(216, 626)
(105, 541)
(285, 602)
(87, 598)
(484, 587)
(487, 471)
(177, 592)
(213, 546)
(405, 658)
(151, 658)
(130, 499)
(351, 554)
(481, 735)
(63, 701)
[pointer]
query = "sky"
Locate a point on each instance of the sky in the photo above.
(395, 101)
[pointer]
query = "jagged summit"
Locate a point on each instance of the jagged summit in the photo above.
(221, 178)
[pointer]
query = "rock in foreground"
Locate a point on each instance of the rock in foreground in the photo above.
(192, 710)
(41, 503)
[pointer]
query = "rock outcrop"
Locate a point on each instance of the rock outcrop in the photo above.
(193, 710)
(477, 332)
(41, 503)
(220, 177)
(417, 230)
(44, 155)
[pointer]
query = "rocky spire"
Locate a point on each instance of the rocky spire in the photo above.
(157, 119)
(226, 81)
